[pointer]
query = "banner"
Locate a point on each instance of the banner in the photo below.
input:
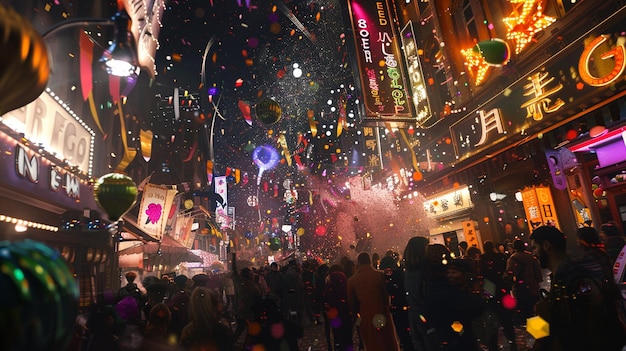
(380, 61)
(221, 209)
(156, 203)
(182, 231)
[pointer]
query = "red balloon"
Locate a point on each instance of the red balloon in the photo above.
(320, 230)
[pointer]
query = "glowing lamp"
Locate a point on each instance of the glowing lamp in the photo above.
(537, 327)
(266, 158)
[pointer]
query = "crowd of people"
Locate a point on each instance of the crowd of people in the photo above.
(425, 298)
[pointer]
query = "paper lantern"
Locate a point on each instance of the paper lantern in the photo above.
(268, 111)
(115, 193)
(24, 61)
(495, 51)
(537, 327)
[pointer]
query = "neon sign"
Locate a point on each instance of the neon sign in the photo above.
(618, 53)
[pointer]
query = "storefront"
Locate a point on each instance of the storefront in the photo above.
(451, 211)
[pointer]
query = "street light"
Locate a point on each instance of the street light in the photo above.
(120, 58)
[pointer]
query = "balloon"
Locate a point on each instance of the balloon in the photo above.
(268, 111)
(24, 61)
(36, 282)
(266, 158)
(495, 51)
(115, 193)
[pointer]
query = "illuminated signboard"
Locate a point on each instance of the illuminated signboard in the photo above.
(379, 58)
(416, 76)
(49, 123)
(448, 203)
(532, 103)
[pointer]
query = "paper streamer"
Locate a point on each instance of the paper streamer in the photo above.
(176, 104)
(283, 144)
(129, 155)
(86, 61)
(114, 88)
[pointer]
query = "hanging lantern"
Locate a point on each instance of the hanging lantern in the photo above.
(268, 111)
(115, 193)
(496, 51)
(24, 61)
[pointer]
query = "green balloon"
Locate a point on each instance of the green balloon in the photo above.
(268, 111)
(494, 51)
(115, 193)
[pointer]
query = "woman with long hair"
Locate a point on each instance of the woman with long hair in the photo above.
(205, 331)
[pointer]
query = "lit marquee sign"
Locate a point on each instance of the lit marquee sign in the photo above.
(416, 76)
(379, 58)
(532, 102)
(49, 123)
(448, 203)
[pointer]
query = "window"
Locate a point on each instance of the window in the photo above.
(470, 21)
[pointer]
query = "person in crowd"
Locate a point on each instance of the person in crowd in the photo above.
(156, 336)
(309, 279)
(394, 283)
(369, 301)
(293, 295)
(491, 269)
(247, 292)
(274, 280)
(179, 306)
(582, 308)
(462, 248)
(376, 260)
(205, 331)
(229, 294)
(272, 330)
(592, 246)
(613, 239)
(414, 283)
(130, 289)
(524, 273)
(458, 307)
(156, 293)
(104, 327)
(348, 267)
(337, 311)
(318, 307)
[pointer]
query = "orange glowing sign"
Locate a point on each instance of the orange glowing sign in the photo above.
(617, 53)
(526, 20)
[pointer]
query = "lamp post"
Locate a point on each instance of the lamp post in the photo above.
(120, 58)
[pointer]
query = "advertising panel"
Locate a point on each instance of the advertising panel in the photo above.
(379, 57)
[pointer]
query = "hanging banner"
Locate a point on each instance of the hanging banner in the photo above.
(380, 62)
(539, 207)
(221, 209)
(469, 232)
(155, 207)
(182, 231)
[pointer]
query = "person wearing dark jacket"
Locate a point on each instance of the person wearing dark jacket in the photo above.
(524, 273)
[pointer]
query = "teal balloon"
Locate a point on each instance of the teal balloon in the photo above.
(115, 193)
(495, 51)
(268, 111)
